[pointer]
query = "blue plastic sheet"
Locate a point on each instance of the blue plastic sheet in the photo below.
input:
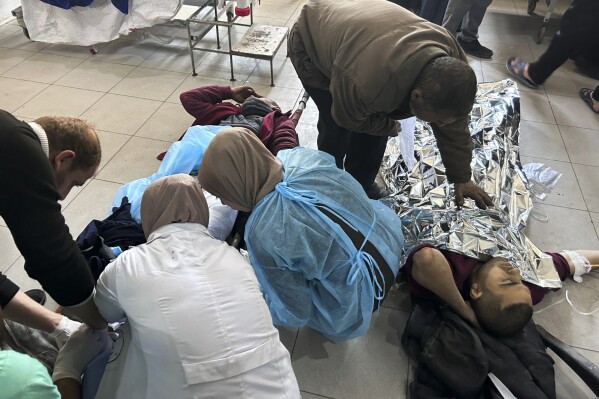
(182, 157)
(309, 269)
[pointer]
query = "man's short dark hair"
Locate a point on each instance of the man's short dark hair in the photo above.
(447, 84)
(498, 321)
(73, 134)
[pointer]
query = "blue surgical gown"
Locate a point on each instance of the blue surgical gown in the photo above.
(309, 269)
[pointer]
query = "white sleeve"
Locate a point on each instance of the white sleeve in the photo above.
(105, 297)
(222, 218)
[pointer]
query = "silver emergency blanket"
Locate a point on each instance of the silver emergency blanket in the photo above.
(424, 200)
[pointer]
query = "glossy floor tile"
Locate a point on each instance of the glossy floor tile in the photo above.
(95, 75)
(136, 159)
(130, 91)
(14, 92)
(59, 100)
(153, 84)
(339, 370)
(542, 140)
(44, 68)
(121, 114)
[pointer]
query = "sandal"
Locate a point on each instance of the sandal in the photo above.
(516, 67)
(585, 94)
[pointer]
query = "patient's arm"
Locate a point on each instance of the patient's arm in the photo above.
(591, 254)
(203, 103)
(431, 270)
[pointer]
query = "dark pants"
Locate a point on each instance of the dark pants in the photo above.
(596, 93)
(433, 10)
(360, 154)
(578, 35)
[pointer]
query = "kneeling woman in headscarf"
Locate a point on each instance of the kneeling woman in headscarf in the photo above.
(200, 327)
(324, 253)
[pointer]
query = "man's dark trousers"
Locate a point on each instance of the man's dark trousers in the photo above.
(361, 154)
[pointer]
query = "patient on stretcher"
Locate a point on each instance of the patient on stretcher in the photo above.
(490, 295)
(250, 110)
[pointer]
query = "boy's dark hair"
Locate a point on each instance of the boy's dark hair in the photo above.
(73, 134)
(498, 321)
(447, 84)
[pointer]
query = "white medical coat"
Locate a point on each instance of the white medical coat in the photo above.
(199, 325)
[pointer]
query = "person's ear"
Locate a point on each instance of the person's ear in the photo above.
(63, 160)
(475, 291)
(416, 96)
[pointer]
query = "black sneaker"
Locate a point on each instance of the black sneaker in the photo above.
(375, 191)
(37, 295)
(476, 49)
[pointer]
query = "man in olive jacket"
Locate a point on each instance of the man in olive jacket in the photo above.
(367, 64)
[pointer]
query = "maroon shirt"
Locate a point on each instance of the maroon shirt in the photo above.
(277, 131)
(462, 267)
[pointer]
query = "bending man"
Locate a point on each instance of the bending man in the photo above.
(367, 64)
(39, 164)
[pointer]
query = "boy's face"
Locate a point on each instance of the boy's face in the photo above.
(503, 280)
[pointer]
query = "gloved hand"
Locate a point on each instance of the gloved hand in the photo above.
(80, 349)
(64, 330)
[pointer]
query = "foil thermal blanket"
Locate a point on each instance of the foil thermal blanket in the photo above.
(424, 200)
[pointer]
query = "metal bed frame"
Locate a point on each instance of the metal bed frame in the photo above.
(259, 42)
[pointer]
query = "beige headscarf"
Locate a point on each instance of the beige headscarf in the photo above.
(173, 199)
(239, 169)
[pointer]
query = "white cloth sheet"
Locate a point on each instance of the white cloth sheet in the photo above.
(98, 23)
(199, 325)
(222, 217)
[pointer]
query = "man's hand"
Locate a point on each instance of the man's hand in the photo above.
(471, 190)
(241, 93)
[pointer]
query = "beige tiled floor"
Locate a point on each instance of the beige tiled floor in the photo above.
(130, 91)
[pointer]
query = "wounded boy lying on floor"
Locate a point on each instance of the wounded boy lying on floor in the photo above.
(491, 295)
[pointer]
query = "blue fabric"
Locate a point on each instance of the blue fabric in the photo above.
(66, 4)
(182, 157)
(310, 271)
(121, 5)
(117, 229)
